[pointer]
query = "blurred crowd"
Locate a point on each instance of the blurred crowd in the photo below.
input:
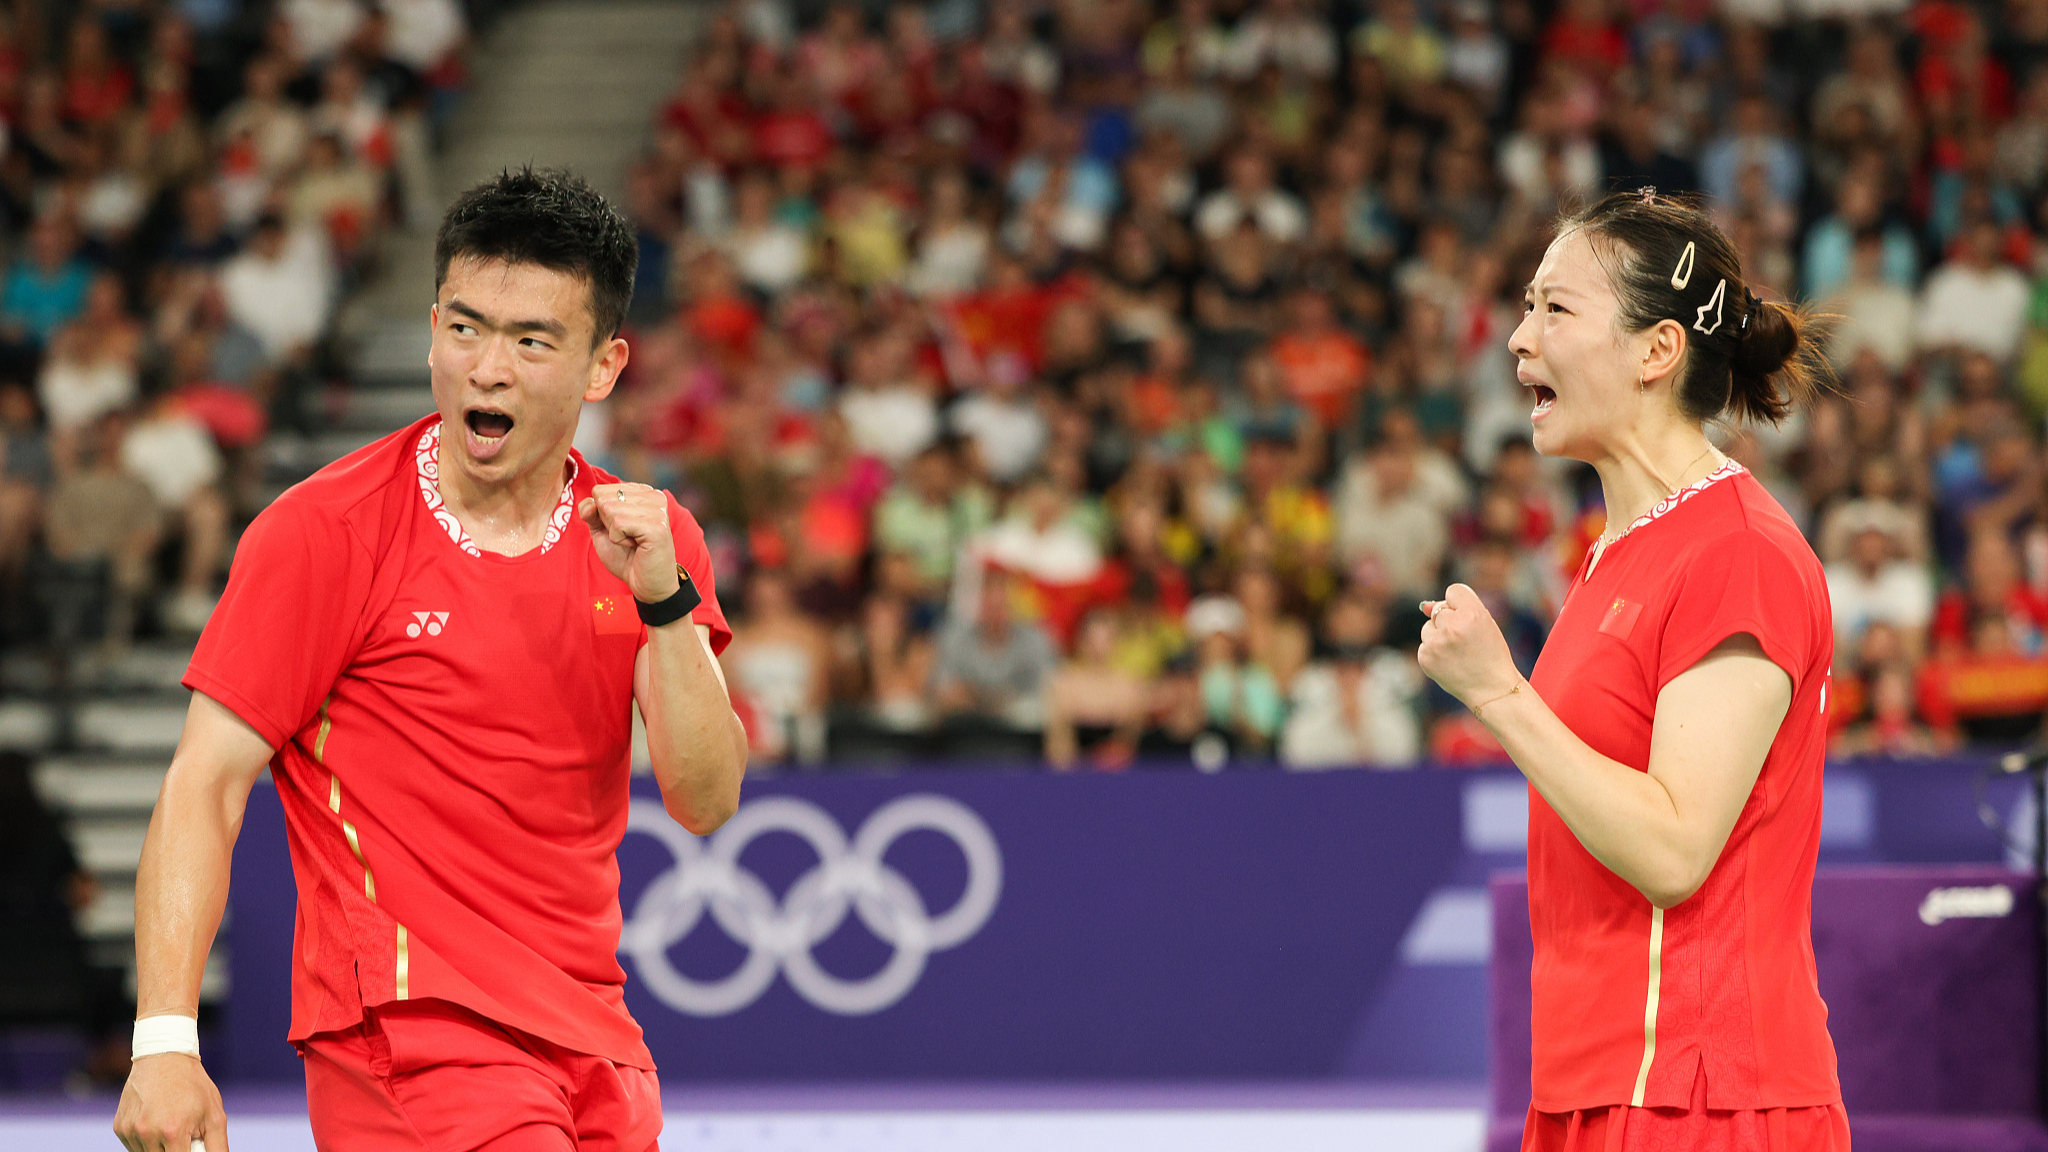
(1109, 379)
(1100, 380)
(187, 189)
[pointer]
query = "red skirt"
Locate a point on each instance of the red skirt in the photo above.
(1620, 1128)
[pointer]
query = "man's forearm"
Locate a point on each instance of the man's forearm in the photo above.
(697, 744)
(180, 890)
(170, 1103)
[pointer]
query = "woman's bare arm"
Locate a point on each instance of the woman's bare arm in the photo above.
(1661, 830)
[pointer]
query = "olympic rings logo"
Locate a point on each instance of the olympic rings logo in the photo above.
(779, 935)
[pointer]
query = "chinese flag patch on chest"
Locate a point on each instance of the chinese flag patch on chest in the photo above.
(614, 616)
(1620, 619)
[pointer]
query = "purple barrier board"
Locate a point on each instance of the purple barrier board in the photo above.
(1932, 979)
(984, 926)
(1151, 926)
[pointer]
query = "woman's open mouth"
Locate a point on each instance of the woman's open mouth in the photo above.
(1545, 399)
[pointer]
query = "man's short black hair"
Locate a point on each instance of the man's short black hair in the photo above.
(550, 217)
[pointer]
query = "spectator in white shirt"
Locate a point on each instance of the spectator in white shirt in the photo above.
(1009, 51)
(1356, 706)
(1041, 537)
(888, 408)
(1545, 162)
(93, 365)
(173, 455)
(1877, 314)
(1249, 195)
(1475, 55)
(1975, 301)
(952, 246)
(1880, 500)
(770, 256)
(1389, 530)
(319, 28)
(421, 33)
(1004, 424)
(274, 125)
(1281, 33)
(1195, 110)
(1875, 585)
(281, 288)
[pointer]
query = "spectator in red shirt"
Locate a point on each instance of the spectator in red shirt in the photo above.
(842, 55)
(714, 118)
(1992, 591)
(96, 84)
(1893, 728)
(1001, 328)
(1325, 366)
(913, 53)
(793, 134)
(1990, 691)
(1516, 470)
(1582, 36)
(1958, 80)
(719, 314)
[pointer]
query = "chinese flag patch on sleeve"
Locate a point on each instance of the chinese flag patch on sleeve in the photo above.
(1621, 618)
(614, 616)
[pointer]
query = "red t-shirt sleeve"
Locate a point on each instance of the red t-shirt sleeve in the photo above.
(695, 558)
(290, 619)
(1743, 582)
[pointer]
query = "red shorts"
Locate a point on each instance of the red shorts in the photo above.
(431, 1076)
(1620, 1128)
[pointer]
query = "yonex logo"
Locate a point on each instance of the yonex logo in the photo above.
(850, 878)
(429, 622)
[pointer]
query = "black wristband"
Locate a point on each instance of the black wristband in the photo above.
(680, 604)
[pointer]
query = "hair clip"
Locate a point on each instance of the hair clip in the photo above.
(1713, 305)
(1648, 194)
(1682, 275)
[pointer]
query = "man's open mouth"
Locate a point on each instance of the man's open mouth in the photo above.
(488, 425)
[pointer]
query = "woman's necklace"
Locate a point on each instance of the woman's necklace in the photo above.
(1606, 540)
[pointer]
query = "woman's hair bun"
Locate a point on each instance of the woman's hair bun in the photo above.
(1768, 376)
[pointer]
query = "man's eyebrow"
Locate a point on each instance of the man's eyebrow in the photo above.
(550, 326)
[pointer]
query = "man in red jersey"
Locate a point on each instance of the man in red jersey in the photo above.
(439, 667)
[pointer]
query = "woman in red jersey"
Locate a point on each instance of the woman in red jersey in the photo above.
(1674, 730)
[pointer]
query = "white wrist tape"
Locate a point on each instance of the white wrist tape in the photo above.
(159, 1034)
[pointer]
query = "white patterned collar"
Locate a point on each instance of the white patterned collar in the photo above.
(427, 460)
(1731, 468)
(1601, 547)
